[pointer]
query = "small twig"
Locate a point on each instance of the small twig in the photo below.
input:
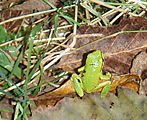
(89, 35)
(109, 6)
(33, 14)
(48, 40)
(75, 27)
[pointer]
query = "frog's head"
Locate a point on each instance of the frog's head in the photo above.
(96, 59)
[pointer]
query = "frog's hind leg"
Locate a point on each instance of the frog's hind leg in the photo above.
(77, 82)
(106, 87)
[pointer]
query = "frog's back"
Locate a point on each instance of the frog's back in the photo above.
(90, 81)
(93, 69)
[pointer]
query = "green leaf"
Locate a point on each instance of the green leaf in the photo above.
(3, 35)
(10, 83)
(8, 65)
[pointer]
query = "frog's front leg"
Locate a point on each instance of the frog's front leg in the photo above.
(105, 77)
(78, 85)
(81, 69)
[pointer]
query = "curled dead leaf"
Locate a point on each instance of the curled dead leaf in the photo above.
(119, 49)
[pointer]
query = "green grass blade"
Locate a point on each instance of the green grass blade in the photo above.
(69, 19)
(32, 35)
(12, 72)
(133, 31)
(123, 1)
(16, 111)
(49, 21)
(16, 65)
(50, 4)
(94, 12)
(56, 24)
(10, 83)
(40, 82)
(6, 93)
(29, 56)
(35, 67)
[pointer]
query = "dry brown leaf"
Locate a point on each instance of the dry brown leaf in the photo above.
(37, 5)
(130, 81)
(51, 98)
(29, 5)
(139, 67)
(119, 50)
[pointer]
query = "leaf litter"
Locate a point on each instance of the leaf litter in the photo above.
(122, 54)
